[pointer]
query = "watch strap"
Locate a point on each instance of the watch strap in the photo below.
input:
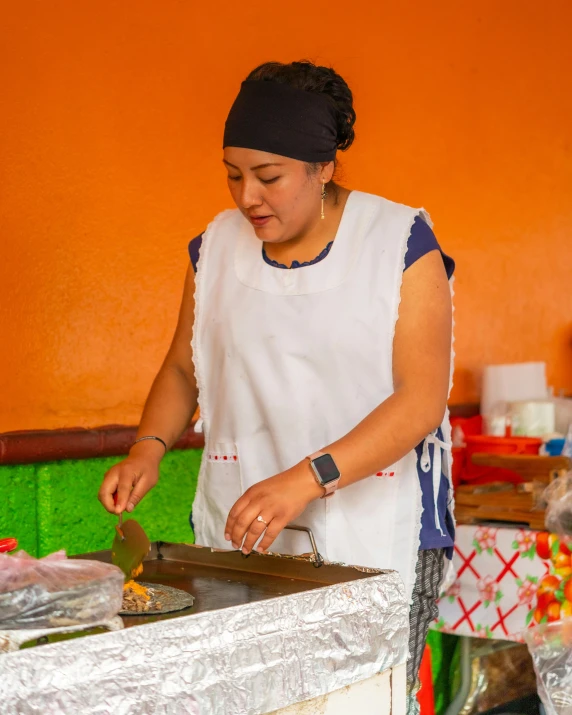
(330, 489)
(314, 456)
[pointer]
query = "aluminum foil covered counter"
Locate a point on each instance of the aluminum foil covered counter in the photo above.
(246, 659)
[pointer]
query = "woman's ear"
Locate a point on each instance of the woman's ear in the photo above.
(327, 171)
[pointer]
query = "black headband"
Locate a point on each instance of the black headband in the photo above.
(283, 120)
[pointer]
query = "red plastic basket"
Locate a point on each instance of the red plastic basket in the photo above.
(477, 474)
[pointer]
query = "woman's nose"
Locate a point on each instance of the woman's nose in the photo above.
(249, 195)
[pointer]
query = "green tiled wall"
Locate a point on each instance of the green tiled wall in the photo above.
(54, 505)
(18, 515)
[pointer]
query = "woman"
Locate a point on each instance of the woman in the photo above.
(319, 405)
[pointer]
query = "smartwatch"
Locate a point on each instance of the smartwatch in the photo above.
(326, 472)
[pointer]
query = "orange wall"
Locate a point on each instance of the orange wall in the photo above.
(110, 131)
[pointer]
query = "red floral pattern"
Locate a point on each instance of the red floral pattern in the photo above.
(500, 588)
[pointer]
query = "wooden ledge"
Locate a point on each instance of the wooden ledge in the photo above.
(28, 447)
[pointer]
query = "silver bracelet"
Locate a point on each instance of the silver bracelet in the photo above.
(152, 437)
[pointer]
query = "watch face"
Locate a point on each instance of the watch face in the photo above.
(326, 468)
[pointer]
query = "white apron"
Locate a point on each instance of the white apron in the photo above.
(289, 361)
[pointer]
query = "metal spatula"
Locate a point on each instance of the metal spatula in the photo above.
(130, 546)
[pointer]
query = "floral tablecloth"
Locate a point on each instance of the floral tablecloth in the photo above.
(507, 579)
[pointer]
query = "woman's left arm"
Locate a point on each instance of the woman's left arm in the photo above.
(421, 365)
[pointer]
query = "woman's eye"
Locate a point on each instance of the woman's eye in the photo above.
(234, 178)
(270, 181)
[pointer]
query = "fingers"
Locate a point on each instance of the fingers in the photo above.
(277, 500)
(243, 523)
(253, 534)
(236, 510)
(144, 485)
(130, 481)
(124, 486)
(108, 489)
(247, 530)
(273, 530)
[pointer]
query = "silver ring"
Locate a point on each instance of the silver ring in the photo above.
(259, 518)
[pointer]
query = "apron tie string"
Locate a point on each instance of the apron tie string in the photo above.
(425, 461)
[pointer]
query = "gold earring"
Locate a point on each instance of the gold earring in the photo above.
(324, 194)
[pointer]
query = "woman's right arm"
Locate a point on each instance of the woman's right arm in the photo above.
(168, 411)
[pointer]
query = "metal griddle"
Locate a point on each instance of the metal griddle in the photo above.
(216, 654)
(221, 579)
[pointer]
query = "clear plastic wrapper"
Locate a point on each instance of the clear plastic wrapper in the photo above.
(550, 645)
(558, 499)
(55, 591)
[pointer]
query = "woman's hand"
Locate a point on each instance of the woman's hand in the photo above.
(132, 478)
(278, 500)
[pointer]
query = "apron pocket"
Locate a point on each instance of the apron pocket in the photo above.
(222, 452)
(220, 488)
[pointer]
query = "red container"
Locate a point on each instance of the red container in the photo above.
(425, 696)
(7, 545)
(468, 426)
(477, 474)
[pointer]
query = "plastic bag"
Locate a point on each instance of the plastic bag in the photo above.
(507, 674)
(499, 672)
(550, 646)
(56, 591)
(558, 499)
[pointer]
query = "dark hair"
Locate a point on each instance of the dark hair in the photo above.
(320, 80)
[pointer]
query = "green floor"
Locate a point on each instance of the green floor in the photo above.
(54, 505)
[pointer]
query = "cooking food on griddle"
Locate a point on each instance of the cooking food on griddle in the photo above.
(137, 598)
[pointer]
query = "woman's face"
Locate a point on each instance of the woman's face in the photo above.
(279, 197)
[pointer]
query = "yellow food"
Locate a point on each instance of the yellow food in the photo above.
(138, 599)
(137, 588)
(138, 571)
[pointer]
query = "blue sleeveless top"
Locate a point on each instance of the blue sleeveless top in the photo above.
(421, 240)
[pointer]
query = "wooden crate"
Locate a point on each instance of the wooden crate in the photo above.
(503, 501)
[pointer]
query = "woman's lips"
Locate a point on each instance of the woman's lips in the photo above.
(259, 221)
